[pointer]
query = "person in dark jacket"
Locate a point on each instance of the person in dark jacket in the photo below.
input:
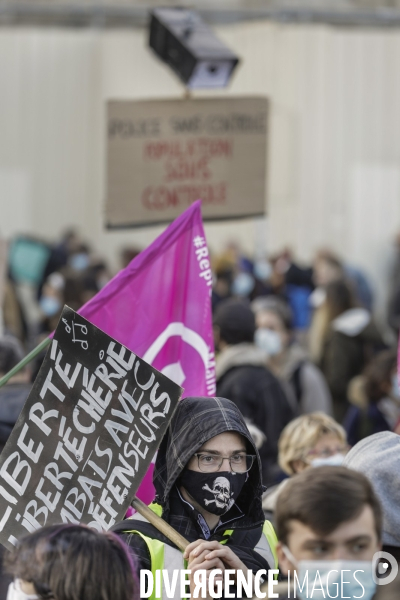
(12, 398)
(346, 337)
(208, 487)
(13, 395)
(243, 377)
(393, 307)
(375, 399)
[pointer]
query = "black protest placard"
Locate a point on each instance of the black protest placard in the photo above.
(86, 435)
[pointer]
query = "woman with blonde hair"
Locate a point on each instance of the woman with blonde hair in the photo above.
(311, 440)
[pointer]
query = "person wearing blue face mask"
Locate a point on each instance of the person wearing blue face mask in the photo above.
(50, 302)
(243, 284)
(50, 305)
(329, 527)
(80, 259)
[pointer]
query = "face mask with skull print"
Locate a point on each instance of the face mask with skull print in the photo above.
(215, 492)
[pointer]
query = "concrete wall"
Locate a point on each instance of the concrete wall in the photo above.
(334, 145)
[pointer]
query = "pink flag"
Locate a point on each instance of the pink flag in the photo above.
(159, 307)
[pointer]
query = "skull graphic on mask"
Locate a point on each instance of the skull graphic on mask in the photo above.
(221, 491)
(216, 494)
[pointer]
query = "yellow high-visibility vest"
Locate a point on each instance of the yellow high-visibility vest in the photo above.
(163, 556)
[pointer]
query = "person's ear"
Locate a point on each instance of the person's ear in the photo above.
(299, 465)
(283, 562)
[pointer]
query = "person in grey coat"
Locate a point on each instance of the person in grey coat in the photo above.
(244, 378)
(287, 359)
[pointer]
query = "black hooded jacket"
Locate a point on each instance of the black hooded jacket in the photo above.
(196, 421)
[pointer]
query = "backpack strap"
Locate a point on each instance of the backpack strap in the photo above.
(365, 426)
(296, 382)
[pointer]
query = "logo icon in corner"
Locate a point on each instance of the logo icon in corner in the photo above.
(174, 370)
(384, 568)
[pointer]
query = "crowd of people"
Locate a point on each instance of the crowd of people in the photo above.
(292, 466)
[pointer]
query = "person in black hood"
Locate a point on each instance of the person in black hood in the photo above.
(208, 487)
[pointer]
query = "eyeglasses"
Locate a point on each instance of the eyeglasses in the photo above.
(327, 452)
(239, 463)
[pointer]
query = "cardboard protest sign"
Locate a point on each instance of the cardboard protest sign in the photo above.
(86, 435)
(162, 155)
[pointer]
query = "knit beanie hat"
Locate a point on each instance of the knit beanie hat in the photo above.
(378, 457)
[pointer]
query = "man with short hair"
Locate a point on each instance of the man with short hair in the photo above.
(243, 377)
(328, 523)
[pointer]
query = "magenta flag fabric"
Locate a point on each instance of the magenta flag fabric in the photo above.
(159, 306)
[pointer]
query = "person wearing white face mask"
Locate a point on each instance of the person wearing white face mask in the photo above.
(309, 441)
(329, 523)
(243, 377)
(286, 358)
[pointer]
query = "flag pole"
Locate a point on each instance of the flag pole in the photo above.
(160, 524)
(280, 587)
(28, 358)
